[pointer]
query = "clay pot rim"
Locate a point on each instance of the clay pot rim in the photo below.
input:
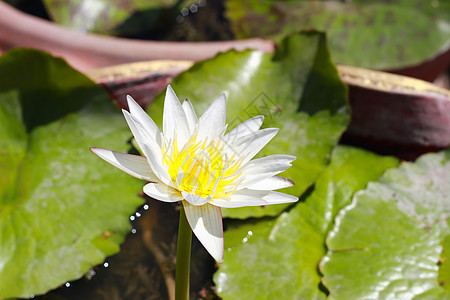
(388, 82)
(366, 78)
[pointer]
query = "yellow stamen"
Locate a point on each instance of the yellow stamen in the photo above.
(201, 167)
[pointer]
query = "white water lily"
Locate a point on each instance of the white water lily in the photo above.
(193, 161)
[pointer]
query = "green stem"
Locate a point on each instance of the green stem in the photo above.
(183, 258)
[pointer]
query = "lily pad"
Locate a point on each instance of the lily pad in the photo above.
(444, 264)
(62, 210)
(381, 35)
(279, 258)
(297, 89)
(392, 235)
(111, 17)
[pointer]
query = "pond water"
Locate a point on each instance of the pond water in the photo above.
(137, 271)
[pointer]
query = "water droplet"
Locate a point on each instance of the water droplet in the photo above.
(132, 218)
(91, 274)
(250, 233)
(67, 284)
(244, 240)
(184, 12)
(106, 264)
(229, 249)
(138, 214)
(193, 8)
(145, 206)
(133, 230)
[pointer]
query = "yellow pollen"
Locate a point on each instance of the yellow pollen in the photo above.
(201, 167)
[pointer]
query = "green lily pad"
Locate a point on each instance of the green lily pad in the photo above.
(392, 235)
(381, 35)
(444, 264)
(279, 258)
(62, 209)
(297, 89)
(118, 17)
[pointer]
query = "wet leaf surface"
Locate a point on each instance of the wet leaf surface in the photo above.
(108, 17)
(381, 35)
(444, 264)
(278, 258)
(62, 209)
(392, 236)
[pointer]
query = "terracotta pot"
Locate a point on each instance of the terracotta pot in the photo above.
(89, 51)
(396, 114)
(428, 70)
(142, 80)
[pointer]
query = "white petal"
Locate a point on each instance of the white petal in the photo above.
(147, 122)
(160, 171)
(247, 197)
(271, 183)
(213, 119)
(149, 147)
(248, 146)
(195, 199)
(141, 135)
(242, 198)
(134, 165)
(175, 123)
(206, 223)
(277, 197)
(269, 164)
(245, 128)
(263, 168)
(191, 116)
(162, 192)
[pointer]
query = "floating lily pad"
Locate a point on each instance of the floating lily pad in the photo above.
(62, 210)
(392, 236)
(110, 17)
(444, 264)
(381, 35)
(279, 258)
(297, 89)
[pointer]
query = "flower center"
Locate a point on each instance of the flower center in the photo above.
(202, 167)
